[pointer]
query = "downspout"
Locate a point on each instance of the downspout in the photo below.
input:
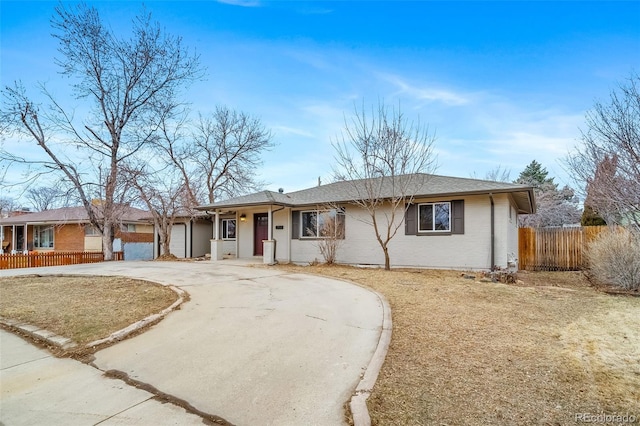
(237, 234)
(185, 239)
(191, 238)
(493, 236)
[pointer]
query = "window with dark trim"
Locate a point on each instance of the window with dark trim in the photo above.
(439, 218)
(228, 229)
(434, 217)
(322, 224)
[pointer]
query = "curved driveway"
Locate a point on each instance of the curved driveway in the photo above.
(255, 346)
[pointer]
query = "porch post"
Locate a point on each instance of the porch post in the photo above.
(25, 239)
(1, 239)
(269, 245)
(216, 231)
(13, 239)
(216, 242)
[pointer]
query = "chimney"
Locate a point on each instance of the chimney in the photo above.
(319, 181)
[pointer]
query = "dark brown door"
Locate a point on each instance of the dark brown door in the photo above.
(260, 232)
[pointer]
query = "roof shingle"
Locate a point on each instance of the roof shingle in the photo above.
(420, 185)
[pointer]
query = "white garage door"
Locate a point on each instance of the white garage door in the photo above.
(178, 238)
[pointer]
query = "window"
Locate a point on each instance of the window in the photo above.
(228, 229)
(322, 224)
(43, 237)
(434, 217)
(90, 230)
(443, 218)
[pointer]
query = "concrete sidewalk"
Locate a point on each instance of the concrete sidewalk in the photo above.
(255, 346)
(39, 389)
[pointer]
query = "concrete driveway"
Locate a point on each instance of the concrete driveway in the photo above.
(255, 346)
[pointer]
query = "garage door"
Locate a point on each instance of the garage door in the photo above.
(178, 238)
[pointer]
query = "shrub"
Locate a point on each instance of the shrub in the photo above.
(614, 258)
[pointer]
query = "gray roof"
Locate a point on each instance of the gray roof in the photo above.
(72, 215)
(419, 185)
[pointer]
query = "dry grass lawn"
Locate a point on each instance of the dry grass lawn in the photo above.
(82, 308)
(467, 353)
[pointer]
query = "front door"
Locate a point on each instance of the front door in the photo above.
(260, 232)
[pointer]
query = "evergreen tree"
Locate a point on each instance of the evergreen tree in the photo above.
(535, 175)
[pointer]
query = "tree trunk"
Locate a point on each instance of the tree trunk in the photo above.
(165, 242)
(107, 241)
(387, 262)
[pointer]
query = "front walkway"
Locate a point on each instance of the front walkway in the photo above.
(253, 345)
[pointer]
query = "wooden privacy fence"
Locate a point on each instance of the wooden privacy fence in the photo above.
(554, 249)
(33, 260)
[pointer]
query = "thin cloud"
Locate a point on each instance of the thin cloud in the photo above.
(429, 94)
(291, 131)
(241, 3)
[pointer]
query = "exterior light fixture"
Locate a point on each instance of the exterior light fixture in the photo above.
(243, 217)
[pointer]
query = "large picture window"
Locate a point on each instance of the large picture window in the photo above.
(228, 229)
(434, 217)
(43, 237)
(322, 224)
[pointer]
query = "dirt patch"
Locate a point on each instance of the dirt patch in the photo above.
(82, 308)
(465, 352)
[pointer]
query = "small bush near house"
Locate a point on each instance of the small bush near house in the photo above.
(614, 258)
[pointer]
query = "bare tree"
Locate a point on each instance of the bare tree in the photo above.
(608, 161)
(7, 205)
(218, 156)
(163, 184)
(555, 207)
(330, 223)
(48, 197)
(226, 153)
(163, 193)
(497, 174)
(128, 84)
(380, 158)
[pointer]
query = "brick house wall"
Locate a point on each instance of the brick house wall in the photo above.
(135, 237)
(69, 238)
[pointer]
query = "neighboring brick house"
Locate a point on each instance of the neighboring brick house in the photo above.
(68, 229)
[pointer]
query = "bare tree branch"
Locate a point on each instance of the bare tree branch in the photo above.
(226, 150)
(380, 156)
(608, 161)
(129, 85)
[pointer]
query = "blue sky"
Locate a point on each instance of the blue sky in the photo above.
(500, 83)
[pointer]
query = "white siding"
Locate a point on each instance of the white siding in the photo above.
(201, 234)
(282, 236)
(471, 250)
